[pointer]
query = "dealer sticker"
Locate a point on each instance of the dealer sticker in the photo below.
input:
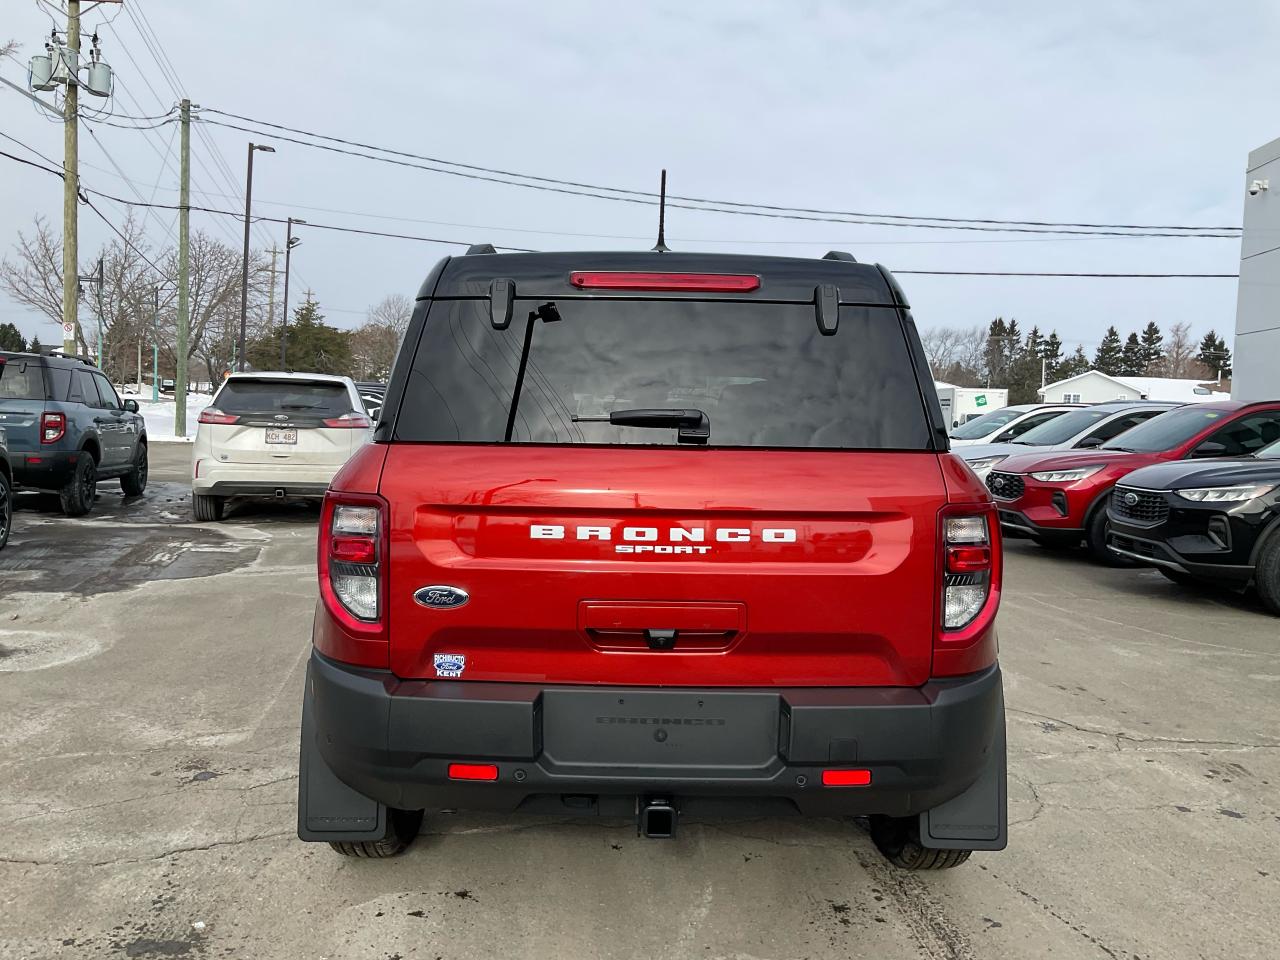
(450, 664)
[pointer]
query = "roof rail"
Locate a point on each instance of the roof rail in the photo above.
(55, 352)
(480, 248)
(839, 255)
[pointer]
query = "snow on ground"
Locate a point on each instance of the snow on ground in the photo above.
(161, 415)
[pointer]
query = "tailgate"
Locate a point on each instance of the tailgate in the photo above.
(663, 566)
(20, 420)
(291, 440)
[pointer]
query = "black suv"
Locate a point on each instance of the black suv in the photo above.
(68, 429)
(1216, 521)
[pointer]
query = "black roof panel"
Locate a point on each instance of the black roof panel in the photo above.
(540, 275)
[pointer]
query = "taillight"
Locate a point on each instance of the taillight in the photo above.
(968, 569)
(700, 282)
(970, 587)
(348, 420)
(353, 559)
(53, 427)
(214, 415)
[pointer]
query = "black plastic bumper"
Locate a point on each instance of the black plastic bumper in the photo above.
(367, 734)
(1159, 553)
(43, 471)
(242, 488)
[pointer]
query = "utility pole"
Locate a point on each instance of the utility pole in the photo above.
(155, 349)
(184, 252)
(244, 270)
(290, 241)
(271, 293)
(71, 183)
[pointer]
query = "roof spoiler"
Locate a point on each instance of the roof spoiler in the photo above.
(480, 248)
(839, 255)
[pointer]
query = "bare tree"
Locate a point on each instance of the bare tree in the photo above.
(392, 311)
(957, 355)
(9, 49)
(1179, 358)
(34, 276)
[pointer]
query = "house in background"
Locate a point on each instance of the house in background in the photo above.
(1094, 386)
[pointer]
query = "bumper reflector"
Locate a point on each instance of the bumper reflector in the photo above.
(473, 771)
(846, 778)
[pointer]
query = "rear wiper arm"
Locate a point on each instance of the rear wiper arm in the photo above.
(693, 425)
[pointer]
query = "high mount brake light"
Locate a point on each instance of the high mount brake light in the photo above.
(214, 415)
(699, 282)
(53, 427)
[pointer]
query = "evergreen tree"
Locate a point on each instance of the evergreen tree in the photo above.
(996, 358)
(1152, 345)
(1133, 359)
(1214, 354)
(1052, 353)
(312, 345)
(1024, 373)
(1110, 356)
(35, 345)
(1074, 365)
(11, 338)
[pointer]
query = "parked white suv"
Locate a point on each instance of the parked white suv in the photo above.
(274, 435)
(1007, 423)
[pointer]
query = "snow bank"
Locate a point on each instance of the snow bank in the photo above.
(161, 416)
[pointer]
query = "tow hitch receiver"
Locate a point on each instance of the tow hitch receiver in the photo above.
(657, 820)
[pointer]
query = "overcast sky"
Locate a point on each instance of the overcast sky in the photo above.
(1093, 112)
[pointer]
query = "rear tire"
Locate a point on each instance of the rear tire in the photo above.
(135, 481)
(6, 509)
(81, 490)
(402, 827)
(1095, 538)
(1267, 574)
(207, 509)
(898, 840)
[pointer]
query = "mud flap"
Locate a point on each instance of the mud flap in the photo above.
(978, 819)
(329, 810)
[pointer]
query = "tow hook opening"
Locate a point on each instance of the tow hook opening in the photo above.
(657, 819)
(279, 494)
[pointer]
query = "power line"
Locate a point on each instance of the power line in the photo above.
(463, 243)
(743, 206)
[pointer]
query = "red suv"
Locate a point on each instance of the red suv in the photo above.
(1061, 498)
(654, 535)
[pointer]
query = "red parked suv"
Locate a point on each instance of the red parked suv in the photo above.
(654, 535)
(1061, 498)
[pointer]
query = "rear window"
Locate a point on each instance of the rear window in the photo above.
(283, 396)
(21, 380)
(763, 374)
(979, 427)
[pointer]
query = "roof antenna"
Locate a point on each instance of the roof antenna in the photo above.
(661, 245)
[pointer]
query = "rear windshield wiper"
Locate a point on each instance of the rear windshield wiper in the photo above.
(693, 425)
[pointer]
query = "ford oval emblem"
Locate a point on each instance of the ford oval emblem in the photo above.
(441, 597)
(282, 416)
(1131, 499)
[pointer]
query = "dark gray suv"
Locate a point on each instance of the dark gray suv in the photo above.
(68, 429)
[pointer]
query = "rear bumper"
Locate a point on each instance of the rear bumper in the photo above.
(44, 470)
(262, 480)
(598, 749)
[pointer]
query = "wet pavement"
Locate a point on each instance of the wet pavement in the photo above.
(149, 710)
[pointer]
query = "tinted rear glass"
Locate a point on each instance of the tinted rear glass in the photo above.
(762, 373)
(21, 380)
(981, 426)
(1167, 430)
(284, 396)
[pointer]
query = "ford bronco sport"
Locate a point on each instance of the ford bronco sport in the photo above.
(658, 535)
(68, 429)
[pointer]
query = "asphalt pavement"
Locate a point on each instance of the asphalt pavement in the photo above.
(150, 679)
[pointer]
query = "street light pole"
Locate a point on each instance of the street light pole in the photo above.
(244, 271)
(289, 243)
